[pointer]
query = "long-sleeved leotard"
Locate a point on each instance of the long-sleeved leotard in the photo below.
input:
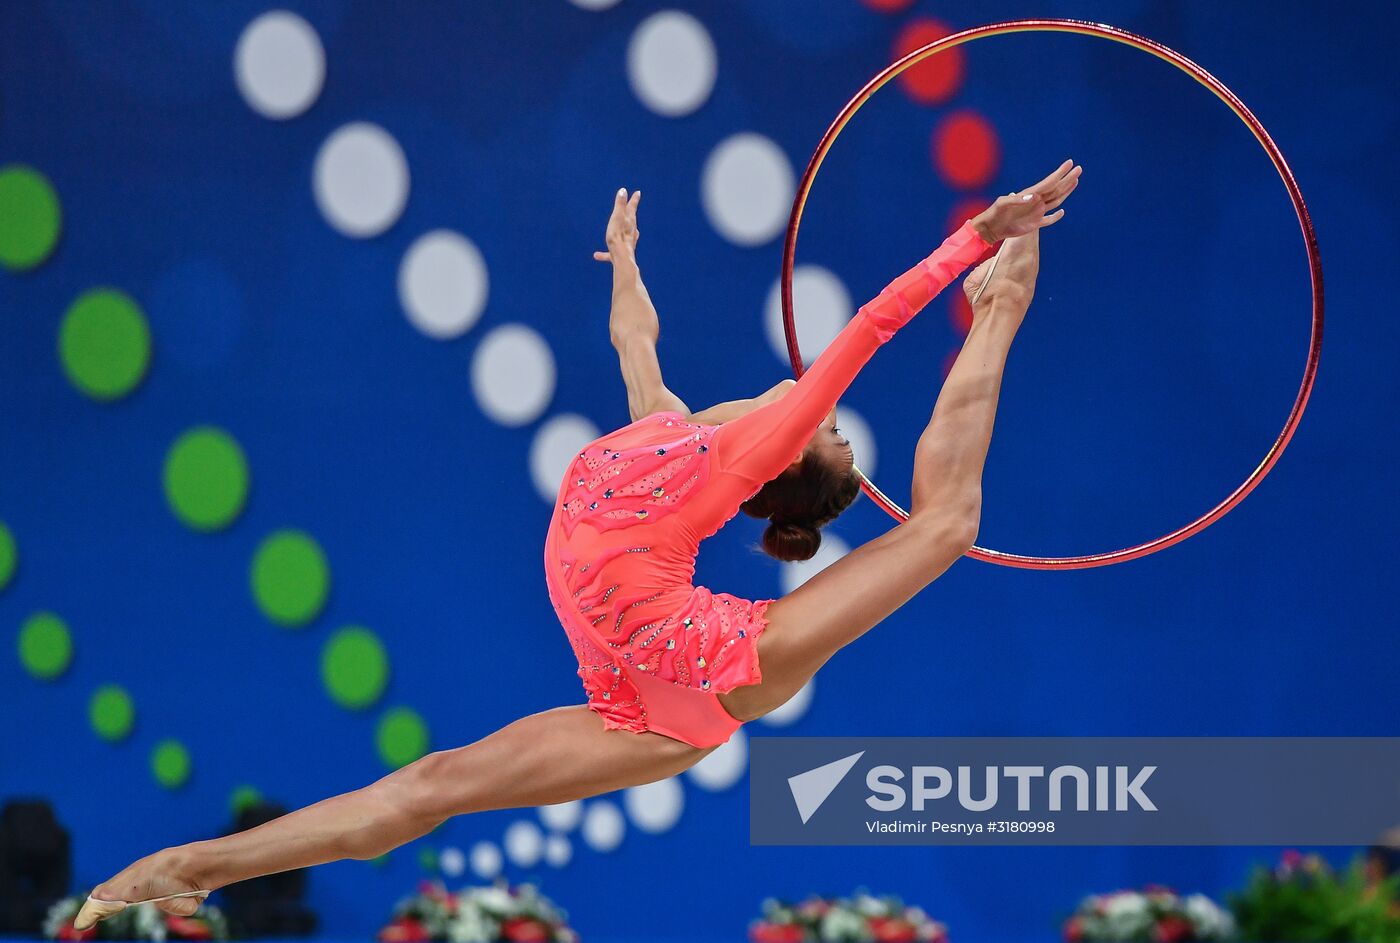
(653, 649)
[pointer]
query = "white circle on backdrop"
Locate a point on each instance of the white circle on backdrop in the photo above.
(821, 306)
(360, 180)
(854, 427)
(793, 575)
(452, 862)
(562, 816)
(746, 187)
(595, 4)
(557, 851)
(793, 709)
(524, 843)
(486, 860)
(655, 807)
(671, 63)
(513, 375)
(279, 65)
(556, 445)
(443, 284)
(722, 768)
(603, 826)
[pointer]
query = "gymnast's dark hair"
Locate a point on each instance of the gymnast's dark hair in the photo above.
(799, 503)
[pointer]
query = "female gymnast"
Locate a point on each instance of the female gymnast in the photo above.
(672, 669)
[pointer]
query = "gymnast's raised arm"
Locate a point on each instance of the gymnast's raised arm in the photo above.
(633, 324)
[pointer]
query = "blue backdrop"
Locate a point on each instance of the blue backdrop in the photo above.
(1158, 362)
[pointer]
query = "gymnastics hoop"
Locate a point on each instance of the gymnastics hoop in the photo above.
(1175, 58)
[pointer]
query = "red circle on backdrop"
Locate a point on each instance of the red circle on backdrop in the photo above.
(935, 81)
(1295, 194)
(966, 150)
(888, 6)
(960, 313)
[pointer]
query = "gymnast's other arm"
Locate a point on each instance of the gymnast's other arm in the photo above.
(633, 324)
(635, 329)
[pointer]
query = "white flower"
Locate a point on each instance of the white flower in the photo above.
(59, 914)
(1211, 921)
(472, 925)
(496, 900)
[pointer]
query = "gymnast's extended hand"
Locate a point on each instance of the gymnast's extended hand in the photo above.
(1030, 209)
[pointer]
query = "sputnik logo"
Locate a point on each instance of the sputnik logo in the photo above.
(811, 789)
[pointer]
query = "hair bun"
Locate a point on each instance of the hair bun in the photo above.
(791, 541)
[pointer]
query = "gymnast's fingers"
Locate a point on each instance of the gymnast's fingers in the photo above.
(1063, 193)
(602, 256)
(636, 198)
(1052, 219)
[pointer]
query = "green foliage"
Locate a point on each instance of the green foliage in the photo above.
(1304, 901)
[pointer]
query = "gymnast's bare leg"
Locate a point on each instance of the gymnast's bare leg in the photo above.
(566, 754)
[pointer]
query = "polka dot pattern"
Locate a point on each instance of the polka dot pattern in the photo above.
(104, 344)
(603, 826)
(833, 548)
(513, 375)
(30, 218)
(746, 189)
(854, 427)
(401, 737)
(171, 764)
(206, 478)
(111, 713)
(555, 445)
(45, 646)
(9, 556)
(290, 578)
(821, 307)
(524, 844)
(935, 80)
(354, 667)
(279, 65)
(361, 180)
(243, 797)
(558, 851)
(655, 807)
(452, 862)
(443, 284)
(966, 150)
(671, 63)
(486, 860)
(562, 817)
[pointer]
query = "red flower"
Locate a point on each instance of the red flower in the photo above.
(775, 933)
(892, 930)
(404, 930)
(525, 930)
(1173, 929)
(1074, 930)
(66, 932)
(188, 928)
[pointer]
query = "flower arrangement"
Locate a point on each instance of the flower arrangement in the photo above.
(862, 918)
(477, 915)
(1155, 914)
(1302, 899)
(143, 922)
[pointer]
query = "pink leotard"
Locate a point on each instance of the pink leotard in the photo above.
(655, 650)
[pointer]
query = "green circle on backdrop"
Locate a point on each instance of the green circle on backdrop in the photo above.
(206, 478)
(170, 764)
(30, 218)
(111, 712)
(244, 797)
(290, 578)
(401, 738)
(45, 647)
(9, 555)
(354, 667)
(104, 344)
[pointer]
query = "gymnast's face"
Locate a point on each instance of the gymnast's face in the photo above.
(830, 447)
